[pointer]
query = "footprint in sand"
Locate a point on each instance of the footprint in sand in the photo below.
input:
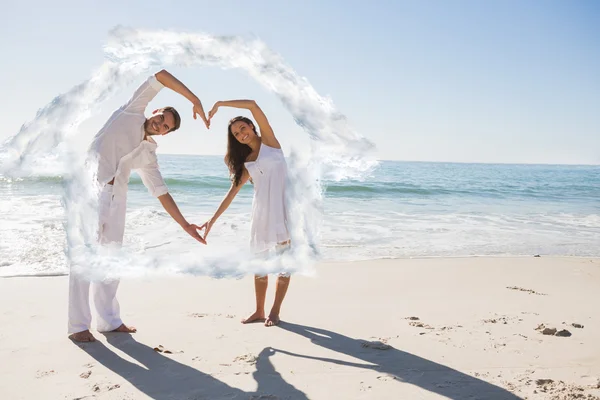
(416, 322)
(377, 345)
(162, 349)
(96, 388)
(247, 358)
(529, 291)
(552, 331)
(420, 325)
(563, 333)
(449, 328)
(85, 375)
(502, 319)
(521, 335)
(202, 315)
(385, 378)
(564, 390)
(42, 374)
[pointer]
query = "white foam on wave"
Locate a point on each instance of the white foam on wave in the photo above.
(338, 152)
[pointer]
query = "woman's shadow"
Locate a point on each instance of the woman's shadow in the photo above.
(161, 377)
(400, 365)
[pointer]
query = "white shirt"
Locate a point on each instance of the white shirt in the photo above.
(120, 146)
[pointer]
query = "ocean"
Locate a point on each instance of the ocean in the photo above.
(401, 210)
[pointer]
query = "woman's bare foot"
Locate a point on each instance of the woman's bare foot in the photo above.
(82, 337)
(125, 329)
(258, 316)
(273, 320)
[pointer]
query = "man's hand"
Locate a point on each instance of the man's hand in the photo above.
(169, 205)
(177, 86)
(198, 110)
(207, 225)
(192, 230)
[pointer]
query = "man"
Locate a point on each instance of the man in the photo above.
(125, 143)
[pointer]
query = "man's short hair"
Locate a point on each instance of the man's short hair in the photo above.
(176, 117)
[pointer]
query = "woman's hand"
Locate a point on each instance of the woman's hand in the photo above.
(213, 111)
(207, 226)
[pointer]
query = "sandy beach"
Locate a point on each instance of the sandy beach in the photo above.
(457, 328)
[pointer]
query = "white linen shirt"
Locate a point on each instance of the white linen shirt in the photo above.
(120, 146)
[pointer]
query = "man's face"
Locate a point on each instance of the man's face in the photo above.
(160, 123)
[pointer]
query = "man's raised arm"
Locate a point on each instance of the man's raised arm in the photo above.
(169, 81)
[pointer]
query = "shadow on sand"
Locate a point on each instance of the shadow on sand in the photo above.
(402, 366)
(163, 378)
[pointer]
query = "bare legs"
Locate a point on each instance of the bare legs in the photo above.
(260, 288)
(283, 282)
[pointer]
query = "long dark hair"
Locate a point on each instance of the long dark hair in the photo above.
(237, 152)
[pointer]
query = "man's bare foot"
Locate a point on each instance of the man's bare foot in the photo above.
(82, 337)
(125, 329)
(273, 320)
(256, 317)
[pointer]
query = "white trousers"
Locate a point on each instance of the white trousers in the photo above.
(111, 215)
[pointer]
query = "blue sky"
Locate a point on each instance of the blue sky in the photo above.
(465, 81)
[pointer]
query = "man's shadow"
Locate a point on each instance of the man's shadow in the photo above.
(400, 365)
(161, 377)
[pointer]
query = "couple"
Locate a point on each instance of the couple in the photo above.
(125, 143)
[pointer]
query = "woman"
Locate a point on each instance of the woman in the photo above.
(260, 159)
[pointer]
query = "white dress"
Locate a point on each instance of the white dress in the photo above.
(269, 209)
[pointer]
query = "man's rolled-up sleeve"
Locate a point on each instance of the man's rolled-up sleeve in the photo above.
(143, 95)
(153, 180)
